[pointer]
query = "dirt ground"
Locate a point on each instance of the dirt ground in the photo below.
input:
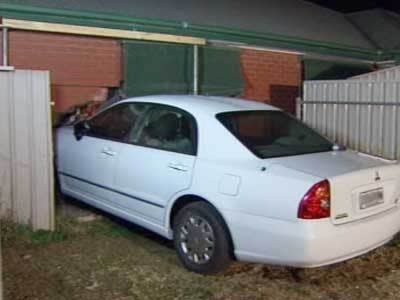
(111, 259)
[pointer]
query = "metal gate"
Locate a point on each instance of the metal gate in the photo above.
(362, 115)
(26, 155)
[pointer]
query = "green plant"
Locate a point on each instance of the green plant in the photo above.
(12, 233)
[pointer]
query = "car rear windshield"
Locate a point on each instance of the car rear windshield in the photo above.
(273, 133)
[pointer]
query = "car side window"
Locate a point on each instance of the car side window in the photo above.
(170, 129)
(116, 122)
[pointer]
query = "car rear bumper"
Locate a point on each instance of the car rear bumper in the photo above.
(308, 243)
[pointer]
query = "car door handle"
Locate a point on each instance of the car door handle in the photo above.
(108, 151)
(178, 167)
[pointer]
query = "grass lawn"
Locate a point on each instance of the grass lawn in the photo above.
(113, 260)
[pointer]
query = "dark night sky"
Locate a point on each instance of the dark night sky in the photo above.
(357, 5)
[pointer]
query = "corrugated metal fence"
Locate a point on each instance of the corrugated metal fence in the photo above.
(362, 115)
(26, 167)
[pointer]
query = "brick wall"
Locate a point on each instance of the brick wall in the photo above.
(81, 68)
(271, 77)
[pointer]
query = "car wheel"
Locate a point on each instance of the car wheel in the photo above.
(201, 240)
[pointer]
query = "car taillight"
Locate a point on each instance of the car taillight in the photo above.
(316, 202)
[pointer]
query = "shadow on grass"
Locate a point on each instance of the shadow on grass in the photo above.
(114, 226)
(364, 270)
(375, 264)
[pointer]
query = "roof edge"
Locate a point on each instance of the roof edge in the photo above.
(106, 20)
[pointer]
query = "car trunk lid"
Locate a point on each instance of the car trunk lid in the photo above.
(361, 186)
(364, 193)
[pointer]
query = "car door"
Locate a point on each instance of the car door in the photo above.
(157, 162)
(87, 165)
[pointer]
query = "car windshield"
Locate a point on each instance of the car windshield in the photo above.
(273, 133)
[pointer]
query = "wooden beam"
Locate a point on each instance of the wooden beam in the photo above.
(102, 32)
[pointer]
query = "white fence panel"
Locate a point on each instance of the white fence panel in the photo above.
(26, 166)
(362, 115)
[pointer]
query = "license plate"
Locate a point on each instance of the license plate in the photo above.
(371, 198)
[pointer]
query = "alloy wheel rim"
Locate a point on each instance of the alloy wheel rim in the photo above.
(196, 239)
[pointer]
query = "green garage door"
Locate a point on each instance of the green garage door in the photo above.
(161, 68)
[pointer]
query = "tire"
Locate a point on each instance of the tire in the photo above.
(201, 239)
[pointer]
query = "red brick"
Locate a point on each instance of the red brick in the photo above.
(72, 60)
(69, 96)
(271, 77)
(81, 68)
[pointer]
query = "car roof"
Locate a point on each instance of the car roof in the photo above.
(206, 104)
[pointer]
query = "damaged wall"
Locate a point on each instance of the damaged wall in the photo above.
(81, 68)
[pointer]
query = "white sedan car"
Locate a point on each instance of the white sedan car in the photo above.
(227, 178)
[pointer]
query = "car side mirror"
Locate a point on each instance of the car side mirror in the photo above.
(81, 129)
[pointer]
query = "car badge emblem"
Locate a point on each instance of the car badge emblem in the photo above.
(377, 177)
